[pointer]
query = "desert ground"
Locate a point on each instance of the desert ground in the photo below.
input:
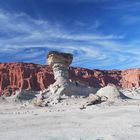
(66, 121)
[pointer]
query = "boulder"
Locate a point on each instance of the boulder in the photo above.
(111, 93)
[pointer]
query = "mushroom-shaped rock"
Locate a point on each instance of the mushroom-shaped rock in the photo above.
(60, 63)
(63, 86)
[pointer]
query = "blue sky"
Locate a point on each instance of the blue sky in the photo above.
(101, 34)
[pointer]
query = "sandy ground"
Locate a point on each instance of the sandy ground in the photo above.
(66, 121)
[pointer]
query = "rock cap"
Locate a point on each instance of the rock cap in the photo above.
(54, 57)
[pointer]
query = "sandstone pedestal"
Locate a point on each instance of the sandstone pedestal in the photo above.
(63, 86)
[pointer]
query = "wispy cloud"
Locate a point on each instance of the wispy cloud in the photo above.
(23, 38)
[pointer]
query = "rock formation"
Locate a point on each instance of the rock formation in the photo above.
(109, 94)
(60, 63)
(63, 86)
(18, 76)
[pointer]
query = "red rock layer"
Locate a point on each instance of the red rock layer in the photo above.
(99, 78)
(37, 77)
(15, 76)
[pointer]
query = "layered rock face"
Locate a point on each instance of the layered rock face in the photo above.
(14, 76)
(18, 76)
(125, 79)
(130, 78)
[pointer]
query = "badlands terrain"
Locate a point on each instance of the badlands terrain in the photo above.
(66, 121)
(58, 102)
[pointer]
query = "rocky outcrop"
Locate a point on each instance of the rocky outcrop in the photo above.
(63, 85)
(60, 63)
(108, 94)
(37, 77)
(18, 76)
(128, 78)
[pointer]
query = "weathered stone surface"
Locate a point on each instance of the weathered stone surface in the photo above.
(130, 78)
(55, 57)
(100, 78)
(60, 63)
(93, 99)
(111, 93)
(63, 85)
(18, 76)
(36, 77)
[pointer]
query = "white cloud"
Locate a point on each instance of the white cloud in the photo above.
(27, 39)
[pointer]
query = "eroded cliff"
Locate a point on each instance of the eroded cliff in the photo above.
(37, 77)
